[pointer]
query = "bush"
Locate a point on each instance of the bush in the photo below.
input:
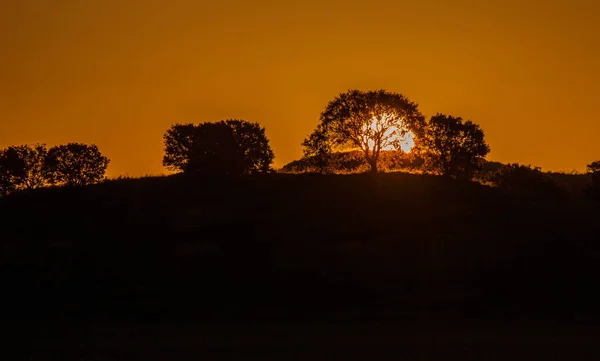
(526, 179)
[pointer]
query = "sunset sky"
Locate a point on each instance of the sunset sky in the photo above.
(118, 73)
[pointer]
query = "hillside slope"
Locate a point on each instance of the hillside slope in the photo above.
(389, 245)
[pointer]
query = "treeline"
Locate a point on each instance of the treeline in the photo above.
(35, 166)
(365, 124)
(359, 131)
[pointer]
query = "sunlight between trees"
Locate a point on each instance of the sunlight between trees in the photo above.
(371, 121)
(379, 121)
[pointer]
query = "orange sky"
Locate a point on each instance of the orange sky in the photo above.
(118, 73)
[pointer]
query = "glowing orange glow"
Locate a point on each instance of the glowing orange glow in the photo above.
(393, 137)
(408, 142)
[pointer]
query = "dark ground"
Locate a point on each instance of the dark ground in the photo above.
(425, 340)
(298, 267)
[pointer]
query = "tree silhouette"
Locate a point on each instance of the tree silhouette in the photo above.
(453, 147)
(24, 167)
(179, 140)
(253, 144)
(7, 183)
(368, 120)
(215, 151)
(229, 147)
(594, 167)
(76, 164)
(317, 150)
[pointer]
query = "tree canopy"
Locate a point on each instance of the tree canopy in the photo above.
(594, 167)
(24, 166)
(215, 151)
(7, 183)
(371, 121)
(452, 147)
(229, 147)
(178, 140)
(317, 150)
(76, 164)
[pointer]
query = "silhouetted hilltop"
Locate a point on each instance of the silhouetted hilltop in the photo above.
(283, 245)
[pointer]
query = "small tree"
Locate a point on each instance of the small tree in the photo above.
(24, 167)
(371, 121)
(453, 147)
(76, 164)
(317, 150)
(229, 147)
(594, 167)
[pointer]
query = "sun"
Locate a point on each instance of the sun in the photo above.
(392, 135)
(407, 142)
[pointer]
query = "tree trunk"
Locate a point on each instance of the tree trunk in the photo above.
(371, 160)
(373, 165)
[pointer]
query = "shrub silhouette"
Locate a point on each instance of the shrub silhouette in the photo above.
(526, 179)
(76, 164)
(230, 147)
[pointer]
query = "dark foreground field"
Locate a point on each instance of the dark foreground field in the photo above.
(170, 268)
(305, 341)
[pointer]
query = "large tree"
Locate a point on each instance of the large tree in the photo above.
(179, 140)
(254, 145)
(452, 146)
(24, 167)
(76, 164)
(229, 147)
(371, 121)
(215, 151)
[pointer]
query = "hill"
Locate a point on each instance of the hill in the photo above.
(289, 246)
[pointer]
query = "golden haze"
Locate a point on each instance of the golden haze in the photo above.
(119, 73)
